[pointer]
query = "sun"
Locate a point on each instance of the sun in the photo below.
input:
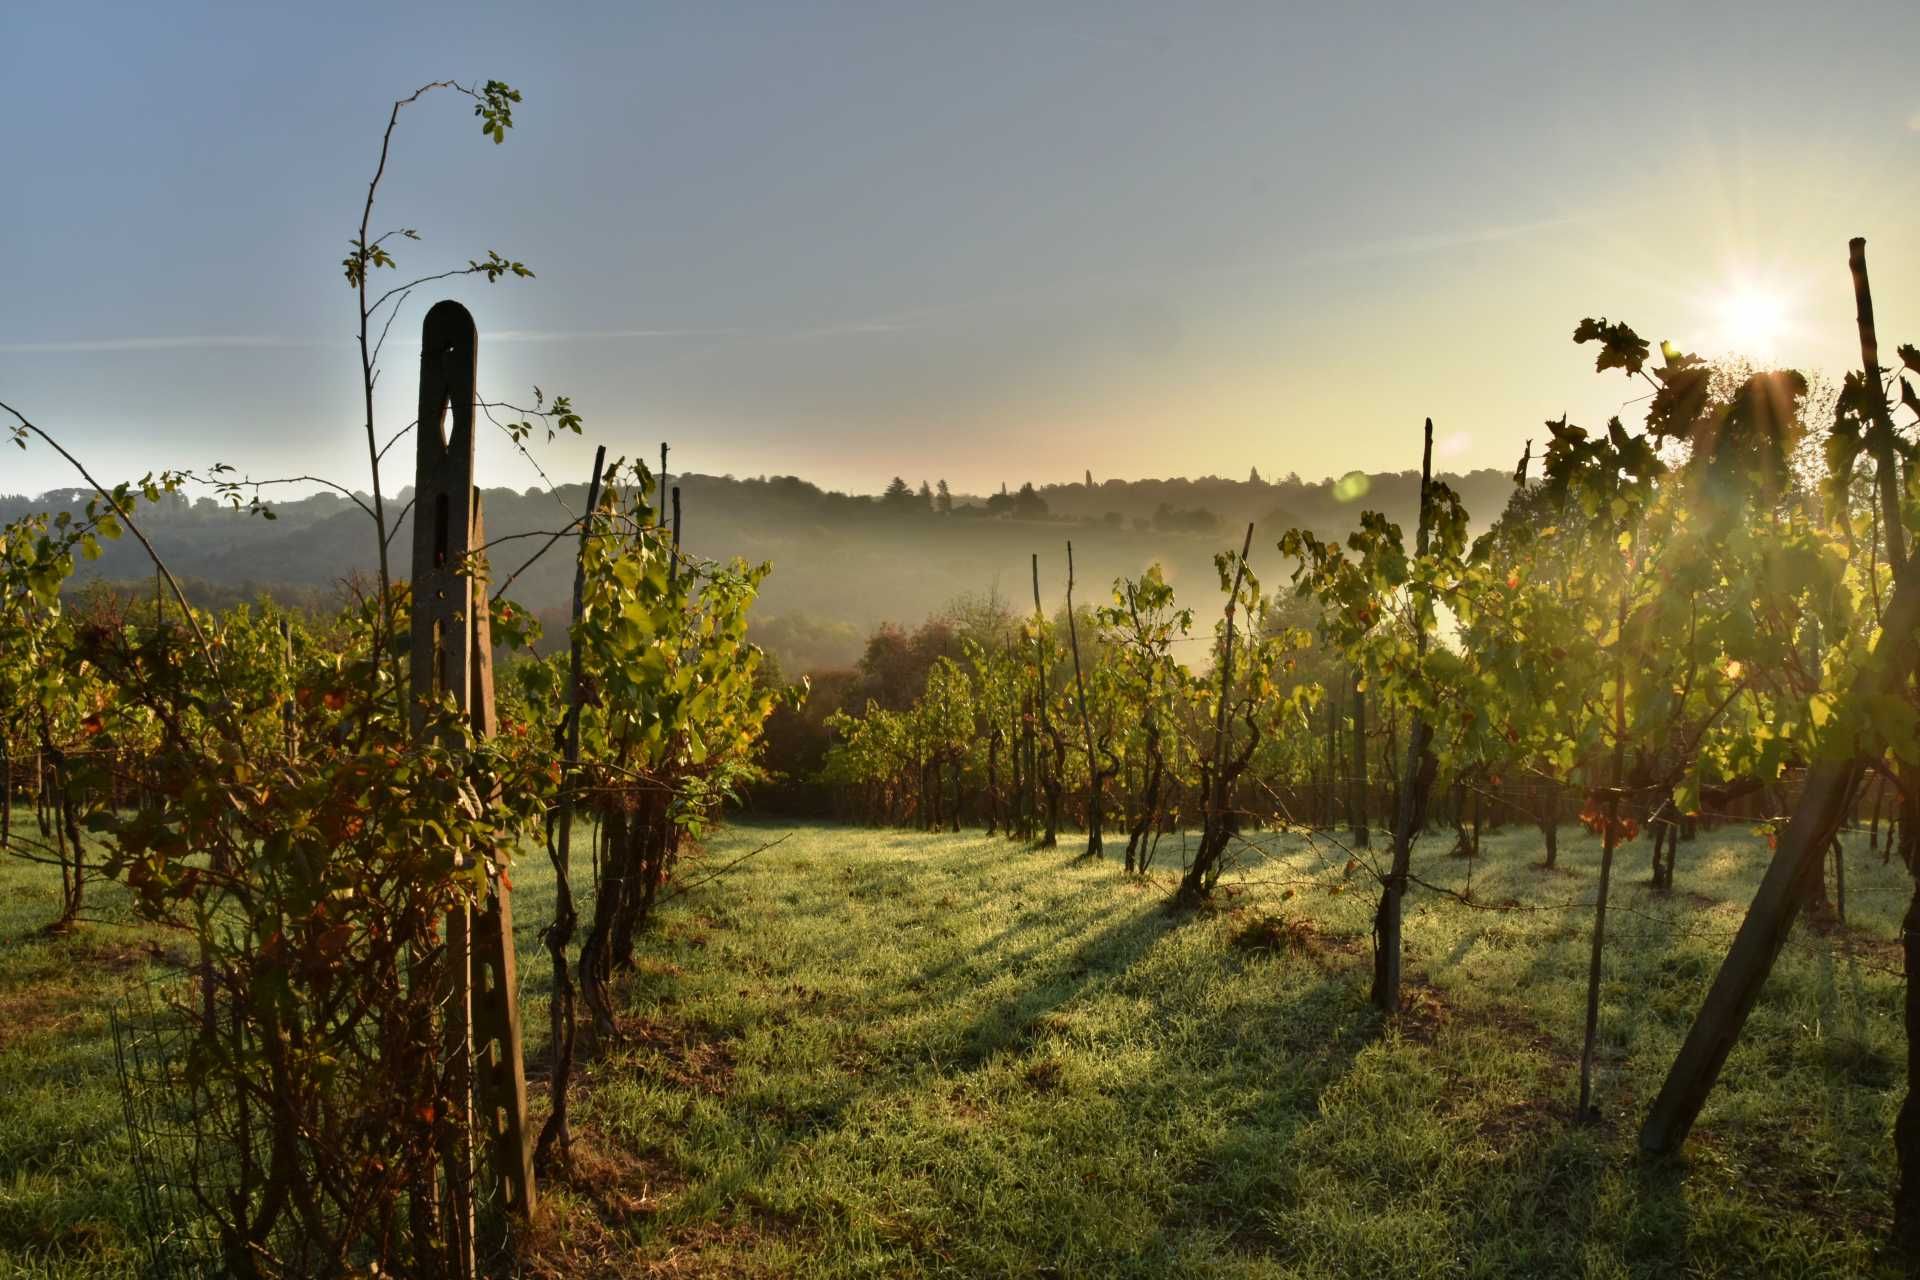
(1752, 320)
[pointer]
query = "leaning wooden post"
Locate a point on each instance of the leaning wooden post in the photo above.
(452, 656)
(1801, 850)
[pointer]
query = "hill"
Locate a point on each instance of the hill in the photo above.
(842, 562)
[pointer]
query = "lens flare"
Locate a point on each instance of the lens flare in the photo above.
(1352, 486)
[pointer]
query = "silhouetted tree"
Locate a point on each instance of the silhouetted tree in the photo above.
(1028, 504)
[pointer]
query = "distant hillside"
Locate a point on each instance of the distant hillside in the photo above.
(842, 563)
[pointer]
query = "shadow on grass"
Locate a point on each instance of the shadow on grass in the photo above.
(1105, 955)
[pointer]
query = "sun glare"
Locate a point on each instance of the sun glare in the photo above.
(1752, 320)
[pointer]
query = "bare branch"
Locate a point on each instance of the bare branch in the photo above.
(186, 610)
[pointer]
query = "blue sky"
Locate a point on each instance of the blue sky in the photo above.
(974, 241)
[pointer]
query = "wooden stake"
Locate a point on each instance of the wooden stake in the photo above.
(565, 916)
(1051, 784)
(1086, 725)
(452, 656)
(1357, 804)
(1608, 840)
(1888, 474)
(1801, 851)
(500, 1079)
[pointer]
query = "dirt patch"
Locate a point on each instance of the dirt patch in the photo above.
(964, 1108)
(654, 967)
(1426, 1012)
(1272, 934)
(56, 1003)
(1046, 1075)
(124, 957)
(36, 1011)
(622, 1185)
(612, 1198)
(690, 1055)
(1506, 1126)
(1290, 935)
(1783, 1179)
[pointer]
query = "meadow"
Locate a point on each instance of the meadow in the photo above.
(882, 1053)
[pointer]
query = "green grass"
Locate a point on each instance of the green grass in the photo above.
(887, 1054)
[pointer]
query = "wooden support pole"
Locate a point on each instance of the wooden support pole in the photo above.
(559, 935)
(1052, 784)
(289, 729)
(452, 657)
(1094, 849)
(1800, 854)
(1888, 473)
(1798, 861)
(500, 1077)
(1610, 838)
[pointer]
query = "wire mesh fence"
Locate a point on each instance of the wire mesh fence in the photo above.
(151, 1040)
(213, 1185)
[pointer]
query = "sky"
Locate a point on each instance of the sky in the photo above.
(987, 243)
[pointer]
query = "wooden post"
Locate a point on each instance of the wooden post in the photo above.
(1086, 725)
(500, 1082)
(289, 730)
(559, 934)
(1333, 761)
(1888, 475)
(1800, 853)
(1051, 786)
(452, 656)
(1357, 789)
(1608, 841)
(1799, 856)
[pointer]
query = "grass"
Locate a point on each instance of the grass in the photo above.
(889, 1054)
